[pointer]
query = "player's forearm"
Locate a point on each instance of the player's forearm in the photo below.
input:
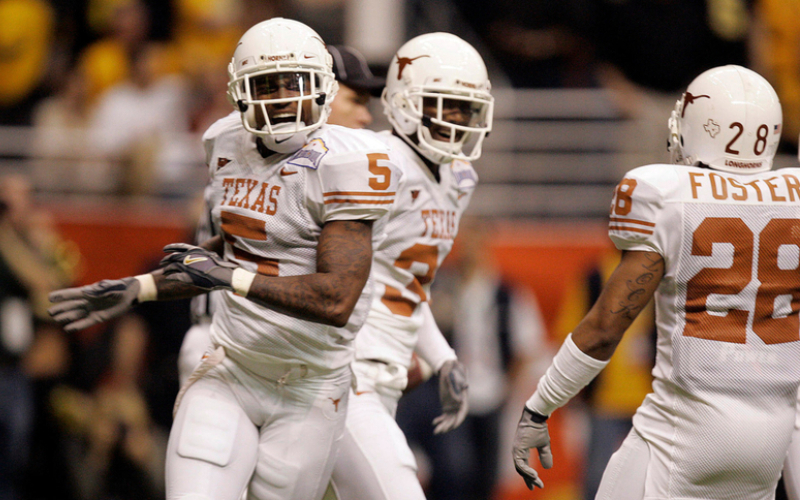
(329, 296)
(321, 298)
(172, 290)
(627, 293)
(432, 347)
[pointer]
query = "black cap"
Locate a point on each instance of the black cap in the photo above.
(351, 69)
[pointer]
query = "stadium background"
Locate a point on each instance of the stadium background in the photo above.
(583, 91)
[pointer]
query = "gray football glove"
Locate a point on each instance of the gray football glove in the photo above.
(85, 306)
(453, 388)
(197, 266)
(531, 433)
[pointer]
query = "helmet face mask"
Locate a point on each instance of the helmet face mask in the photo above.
(729, 119)
(281, 80)
(437, 97)
(450, 123)
(274, 98)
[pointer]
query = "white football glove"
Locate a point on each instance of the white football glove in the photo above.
(85, 306)
(453, 389)
(197, 266)
(531, 433)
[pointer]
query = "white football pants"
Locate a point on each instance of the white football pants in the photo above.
(275, 437)
(791, 467)
(626, 472)
(375, 462)
(195, 343)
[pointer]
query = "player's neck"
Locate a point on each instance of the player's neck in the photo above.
(263, 150)
(433, 167)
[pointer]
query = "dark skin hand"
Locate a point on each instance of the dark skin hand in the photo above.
(627, 292)
(344, 258)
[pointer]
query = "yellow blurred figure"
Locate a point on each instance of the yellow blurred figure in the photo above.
(25, 38)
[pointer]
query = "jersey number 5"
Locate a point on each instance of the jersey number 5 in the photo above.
(777, 237)
(235, 225)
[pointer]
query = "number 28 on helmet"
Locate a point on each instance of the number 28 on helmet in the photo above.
(730, 119)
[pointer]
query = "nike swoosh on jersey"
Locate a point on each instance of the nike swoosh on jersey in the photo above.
(189, 260)
(358, 393)
(285, 172)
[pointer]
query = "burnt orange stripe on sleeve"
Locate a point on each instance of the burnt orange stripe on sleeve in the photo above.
(631, 229)
(357, 193)
(365, 202)
(634, 221)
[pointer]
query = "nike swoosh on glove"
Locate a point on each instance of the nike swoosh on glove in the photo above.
(197, 266)
(85, 306)
(453, 388)
(531, 433)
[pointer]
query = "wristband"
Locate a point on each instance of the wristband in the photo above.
(535, 417)
(571, 370)
(147, 288)
(241, 281)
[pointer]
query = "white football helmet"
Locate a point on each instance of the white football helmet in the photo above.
(730, 119)
(437, 97)
(287, 61)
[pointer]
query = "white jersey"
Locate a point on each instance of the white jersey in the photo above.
(420, 230)
(202, 306)
(722, 410)
(270, 212)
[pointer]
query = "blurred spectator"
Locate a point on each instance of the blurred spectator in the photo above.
(498, 333)
(356, 85)
(33, 262)
(645, 62)
(61, 155)
(125, 25)
(149, 146)
(25, 45)
(114, 448)
(139, 123)
(776, 55)
(613, 396)
(534, 42)
(639, 38)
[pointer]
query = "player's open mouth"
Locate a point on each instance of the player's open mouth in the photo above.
(444, 134)
(283, 118)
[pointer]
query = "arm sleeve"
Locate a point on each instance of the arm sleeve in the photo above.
(633, 222)
(356, 185)
(431, 344)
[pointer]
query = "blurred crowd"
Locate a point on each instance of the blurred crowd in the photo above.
(116, 93)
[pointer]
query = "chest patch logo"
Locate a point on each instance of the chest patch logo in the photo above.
(465, 176)
(310, 156)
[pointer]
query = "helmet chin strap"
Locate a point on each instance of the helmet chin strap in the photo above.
(284, 143)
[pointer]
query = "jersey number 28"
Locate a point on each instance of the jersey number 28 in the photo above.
(776, 280)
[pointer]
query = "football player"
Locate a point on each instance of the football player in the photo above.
(294, 203)
(437, 98)
(791, 467)
(715, 238)
(349, 109)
